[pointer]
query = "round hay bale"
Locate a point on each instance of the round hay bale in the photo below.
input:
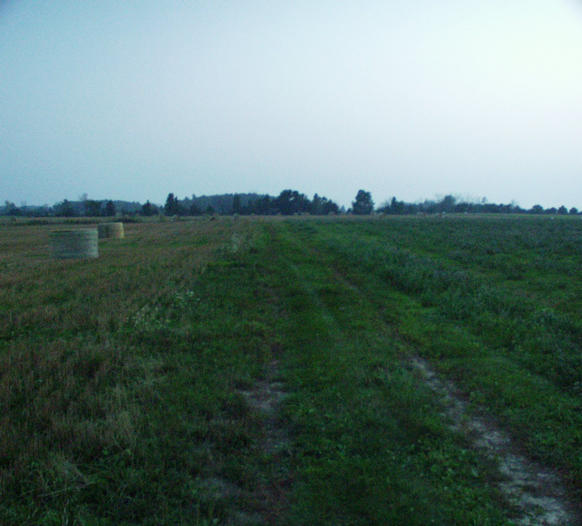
(113, 230)
(81, 243)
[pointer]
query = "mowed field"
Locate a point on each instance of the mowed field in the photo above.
(293, 372)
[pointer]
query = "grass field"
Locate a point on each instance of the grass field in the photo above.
(258, 371)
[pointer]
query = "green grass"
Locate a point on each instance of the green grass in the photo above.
(370, 446)
(122, 379)
(513, 351)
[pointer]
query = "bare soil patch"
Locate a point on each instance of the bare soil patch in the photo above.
(265, 398)
(537, 491)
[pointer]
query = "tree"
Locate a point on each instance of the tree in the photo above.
(396, 207)
(316, 205)
(573, 210)
(363, 205)
(328, 206)
(11, 209)
(172, 207)
(322, 206)
(562, 210)
(261, 206)
(448, 204)
(110, 208)
(65, 209)
(292, 202)
(148, 209)
(194, 210)
(92, 208)
(236, 204)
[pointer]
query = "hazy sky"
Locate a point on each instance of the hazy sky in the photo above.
(132, 99)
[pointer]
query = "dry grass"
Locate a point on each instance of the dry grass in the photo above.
(72, 383)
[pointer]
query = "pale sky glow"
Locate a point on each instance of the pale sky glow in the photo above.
(134, 99)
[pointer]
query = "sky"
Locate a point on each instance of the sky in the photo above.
(416, 99)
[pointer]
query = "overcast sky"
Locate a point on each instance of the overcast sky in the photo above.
(134, 99)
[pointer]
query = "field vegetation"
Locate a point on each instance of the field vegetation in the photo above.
(254, 371)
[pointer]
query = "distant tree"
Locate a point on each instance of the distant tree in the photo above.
(552, 210)
(397, 207)
(65, 209)
(209, 210)
(11, 209)
(172, 207)
(262, 206)
(562, 210)
(316, 205)
(322, 206)
(461, 208)
(291, 202)
(148, 209)
(537, 209)
(363, 205)
(194, 210)
(109, 208)
(236, 206)
(92, 208)
(573, 211)
(447, 204)
(328, 206)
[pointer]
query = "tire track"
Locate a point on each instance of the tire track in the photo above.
(536, 490)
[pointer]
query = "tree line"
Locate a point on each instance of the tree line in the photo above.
(288, 202)
(451, 205)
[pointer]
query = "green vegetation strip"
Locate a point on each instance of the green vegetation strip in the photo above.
(369, 444)
(517, 357)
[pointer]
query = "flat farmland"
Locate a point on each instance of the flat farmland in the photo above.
(302, 371)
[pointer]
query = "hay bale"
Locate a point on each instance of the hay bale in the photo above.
(113, 230)
(81, 243)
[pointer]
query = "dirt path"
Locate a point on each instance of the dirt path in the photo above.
(265, 398)
(538, 492)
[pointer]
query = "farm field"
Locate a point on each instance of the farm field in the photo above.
(262, 371)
